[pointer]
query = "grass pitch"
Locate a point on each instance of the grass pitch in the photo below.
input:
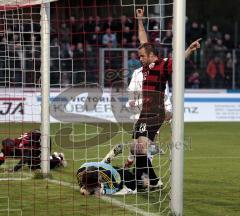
(211, 176)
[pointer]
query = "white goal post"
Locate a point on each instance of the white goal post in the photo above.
(179, 12)
(45, 79)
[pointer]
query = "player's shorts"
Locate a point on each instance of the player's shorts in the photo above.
(148, 125)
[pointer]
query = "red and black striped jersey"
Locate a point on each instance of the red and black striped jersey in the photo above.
(155, 77)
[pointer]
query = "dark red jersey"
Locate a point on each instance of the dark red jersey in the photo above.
(15, 147)
(155, 77)
(156, 74)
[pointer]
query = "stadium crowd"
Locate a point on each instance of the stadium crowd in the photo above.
(75, 47)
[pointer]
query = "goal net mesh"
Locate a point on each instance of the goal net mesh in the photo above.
(89, 74)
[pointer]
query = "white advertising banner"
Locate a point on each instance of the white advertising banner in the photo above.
(212, 107)
(25, 106)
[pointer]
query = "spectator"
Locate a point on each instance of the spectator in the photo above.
(168, 38)
(127, 34)
(78, 55)
(126, 22)
(203, 31)
(227, 41)
(228, 70)
(216, 72)
(65, 79)
(110, 23)
(154, 34)
(152, 23)
(96, 37)
(98, 22)
(187, 29)
(66, 51)
(133, 63)
(219, 49)
(209, 50)
(16, 65)
(74, 30)
(53, 32)
(89, 25)
(124, 43)
(112, 64)
(78, 63)
(91, 66)
(195, 32)
(237, 64)
(64, 33)
(66, 62)
(3, 62)
(159, 47)
(121, 25)
(81, 25)
(110, 58)
(194, 80)
(33, 63)
(167, 41)
(109, 37)
(134, 42)
(54, 63)
(214, 34)
(9, 33)
(169, 24)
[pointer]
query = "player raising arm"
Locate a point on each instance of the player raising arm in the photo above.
(154, 74)
(144, 39)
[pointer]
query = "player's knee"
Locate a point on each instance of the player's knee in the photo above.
(139, 147)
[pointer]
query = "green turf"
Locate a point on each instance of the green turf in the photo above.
(212, 179)
(211, 176)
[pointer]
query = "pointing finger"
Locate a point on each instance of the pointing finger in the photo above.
(199, 39)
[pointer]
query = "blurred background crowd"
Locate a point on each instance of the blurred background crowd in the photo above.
(76, 43)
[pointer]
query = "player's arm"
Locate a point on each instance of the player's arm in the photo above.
(142, 35)
(132, 89)
(167, 104)
(192, 48)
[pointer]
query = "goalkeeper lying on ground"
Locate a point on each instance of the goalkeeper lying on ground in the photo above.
(101, 178)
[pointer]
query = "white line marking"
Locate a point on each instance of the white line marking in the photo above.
(108, 199)
(15, 179)
(9, 178)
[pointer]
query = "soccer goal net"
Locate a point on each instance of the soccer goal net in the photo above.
(75, 63)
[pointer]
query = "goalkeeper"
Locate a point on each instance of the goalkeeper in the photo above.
(101, 178)
(150, 81)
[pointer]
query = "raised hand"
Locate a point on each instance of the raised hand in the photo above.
(140, 13)
(195, 45)
(142, 35)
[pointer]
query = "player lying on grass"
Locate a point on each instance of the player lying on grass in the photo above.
(151, 83)
(101, 178)
(28, 148)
